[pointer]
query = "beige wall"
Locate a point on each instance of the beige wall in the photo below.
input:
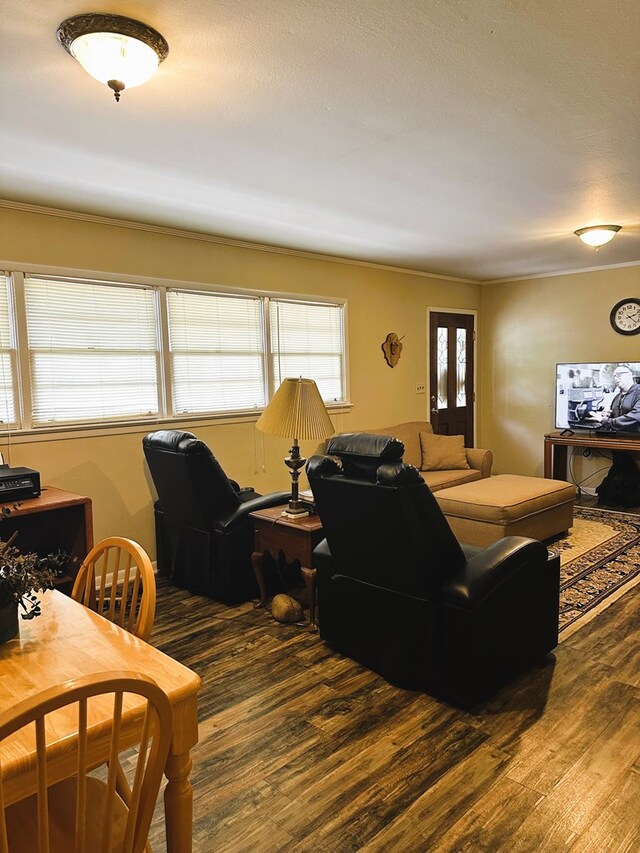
(530, 326)
(109, 468)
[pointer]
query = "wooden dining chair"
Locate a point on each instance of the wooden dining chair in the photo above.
(84, 812)
(116, 579)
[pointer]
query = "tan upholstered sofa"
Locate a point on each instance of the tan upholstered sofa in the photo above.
(480, 461)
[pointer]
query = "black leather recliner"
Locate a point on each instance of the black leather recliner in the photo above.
(399, 594)
(204, 536)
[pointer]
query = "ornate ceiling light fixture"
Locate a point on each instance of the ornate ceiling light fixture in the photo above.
(115, 50)
(597, 235)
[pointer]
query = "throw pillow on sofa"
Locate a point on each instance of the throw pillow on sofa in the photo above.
(442, 452)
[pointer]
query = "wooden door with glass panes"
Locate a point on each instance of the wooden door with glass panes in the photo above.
(451, 391)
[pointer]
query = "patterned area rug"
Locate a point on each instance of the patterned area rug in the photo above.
(600, 559)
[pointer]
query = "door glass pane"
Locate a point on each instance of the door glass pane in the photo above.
(461, 367)
(443, 342)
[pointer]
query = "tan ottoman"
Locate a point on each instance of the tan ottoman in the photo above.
(484, 511)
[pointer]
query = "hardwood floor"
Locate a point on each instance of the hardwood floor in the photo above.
(585, 499)
(301, 749)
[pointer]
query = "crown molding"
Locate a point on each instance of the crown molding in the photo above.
(223, 241)
(562, 272)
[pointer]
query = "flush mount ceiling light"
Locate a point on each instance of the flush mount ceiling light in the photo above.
(597, 235)
(115, 50)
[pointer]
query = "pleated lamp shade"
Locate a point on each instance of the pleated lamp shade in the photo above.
(296, 411)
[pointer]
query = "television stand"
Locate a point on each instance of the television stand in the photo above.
(556, 444)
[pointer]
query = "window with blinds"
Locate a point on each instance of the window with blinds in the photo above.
(77, 351)
(216, 345)
(93, 351)
(7, 357)
(307, 340)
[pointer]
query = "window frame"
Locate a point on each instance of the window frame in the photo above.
(14, 355)
(154, 351)
(161, 287)
(171, 412)
(270, 370)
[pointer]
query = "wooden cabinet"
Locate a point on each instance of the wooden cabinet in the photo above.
(54, 521)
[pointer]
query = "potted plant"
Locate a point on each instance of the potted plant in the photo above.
(22, 576)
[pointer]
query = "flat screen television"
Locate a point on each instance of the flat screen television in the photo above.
(587, 391)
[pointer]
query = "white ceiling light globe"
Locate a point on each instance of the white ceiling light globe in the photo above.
(111, 56)
(115, 50)
(597, 235)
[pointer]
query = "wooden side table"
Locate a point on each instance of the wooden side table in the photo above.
(295, 539)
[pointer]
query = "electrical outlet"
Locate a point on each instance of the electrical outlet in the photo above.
(419, 387)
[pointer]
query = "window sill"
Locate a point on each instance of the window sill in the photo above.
(188, 422)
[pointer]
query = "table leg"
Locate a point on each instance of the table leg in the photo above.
(548, 464)
(309, 576)
(178, 804)
(560, 462)
(256, 565)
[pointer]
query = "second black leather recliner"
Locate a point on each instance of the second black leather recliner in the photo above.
(399, 594)
(204, 536)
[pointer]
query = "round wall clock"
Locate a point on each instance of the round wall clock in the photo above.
(625, 316)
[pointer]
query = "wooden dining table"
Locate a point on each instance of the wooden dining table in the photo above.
(68, 641)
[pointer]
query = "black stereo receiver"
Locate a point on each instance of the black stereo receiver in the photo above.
(16, 483)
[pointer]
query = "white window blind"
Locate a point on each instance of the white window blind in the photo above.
(217, 352)
(307, 341)
(7, 357)
(93, 351)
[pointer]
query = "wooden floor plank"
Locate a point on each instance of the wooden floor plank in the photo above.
(401, 723)
(260, 835)
(617, 826)
(365, 792)
(560, 818)
(491, 822)
(429, 814)
(549, 751)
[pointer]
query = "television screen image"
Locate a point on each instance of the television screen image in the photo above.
(599, 397)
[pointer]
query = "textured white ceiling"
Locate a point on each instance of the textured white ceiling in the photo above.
(462, 137)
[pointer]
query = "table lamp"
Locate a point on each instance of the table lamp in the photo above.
(296, 411)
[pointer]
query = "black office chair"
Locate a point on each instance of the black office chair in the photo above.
(399, 594)
(204, 536)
